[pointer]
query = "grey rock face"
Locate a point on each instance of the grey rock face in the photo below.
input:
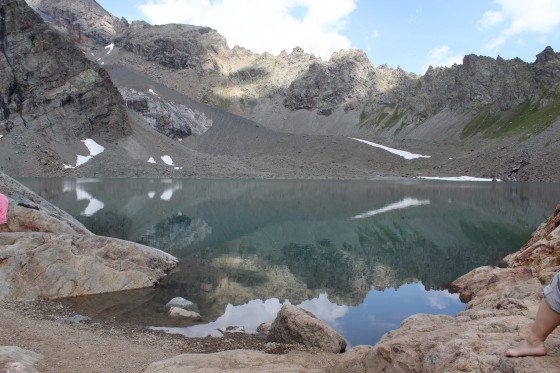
(84, 20)
(382, 101)
(480, 84)
(171, 119)
(50, 94)
(325, 86)
(175, 46)
(46, 76)
(295, 325)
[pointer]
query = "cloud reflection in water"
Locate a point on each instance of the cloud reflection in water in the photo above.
(380, 312)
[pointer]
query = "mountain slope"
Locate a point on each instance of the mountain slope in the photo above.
(491, 117)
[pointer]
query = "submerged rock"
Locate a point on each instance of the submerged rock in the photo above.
(184, 314)
(181, 303)
(231, 329)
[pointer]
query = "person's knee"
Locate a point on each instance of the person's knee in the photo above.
(552, 294)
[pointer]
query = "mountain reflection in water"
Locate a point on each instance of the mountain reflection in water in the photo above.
(361, 255)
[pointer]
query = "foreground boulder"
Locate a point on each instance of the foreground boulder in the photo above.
(50, 265)
(296, 325)
(48, 254)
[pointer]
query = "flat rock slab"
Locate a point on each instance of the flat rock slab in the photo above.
(49, 265)
(244, 361)
(16, 359)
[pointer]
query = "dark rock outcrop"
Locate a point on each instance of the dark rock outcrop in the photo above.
(50, 94)
(171, 119)
(324, 86)
(176, 46)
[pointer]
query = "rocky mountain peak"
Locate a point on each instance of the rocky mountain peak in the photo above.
(84, 20)
(176, 46)
(547, 55)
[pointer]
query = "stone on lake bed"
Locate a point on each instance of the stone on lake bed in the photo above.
(181, 303)
(185, 314)
(76, 319)
(231, 329)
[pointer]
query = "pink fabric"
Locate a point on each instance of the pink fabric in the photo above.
(3, 209)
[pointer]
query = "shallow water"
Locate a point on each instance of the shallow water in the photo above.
(361, 255)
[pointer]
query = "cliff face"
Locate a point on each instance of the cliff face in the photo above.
(49, 92)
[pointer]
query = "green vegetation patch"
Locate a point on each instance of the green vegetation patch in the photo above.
(527, 120)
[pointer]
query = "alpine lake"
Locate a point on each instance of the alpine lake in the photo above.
(360, 255)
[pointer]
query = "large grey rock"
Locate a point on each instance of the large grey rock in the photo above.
(176, 46)
(296, 325)
(17, 360)
(47, 253)
(28, 212)
(34, 265)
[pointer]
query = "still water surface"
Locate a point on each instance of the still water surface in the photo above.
(360, 255)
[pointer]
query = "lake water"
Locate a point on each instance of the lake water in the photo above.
(360, 255)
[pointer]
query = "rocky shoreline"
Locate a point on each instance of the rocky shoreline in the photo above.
(43, 336)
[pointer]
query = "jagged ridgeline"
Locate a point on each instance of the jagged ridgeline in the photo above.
(345, 95)
(184, 81)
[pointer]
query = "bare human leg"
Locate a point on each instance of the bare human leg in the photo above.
(545, 322)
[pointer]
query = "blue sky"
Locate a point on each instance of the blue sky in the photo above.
(412, 34)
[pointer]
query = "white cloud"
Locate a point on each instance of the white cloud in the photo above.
(442, 55)
(491, 18)
(263, 26)
(538, 16)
